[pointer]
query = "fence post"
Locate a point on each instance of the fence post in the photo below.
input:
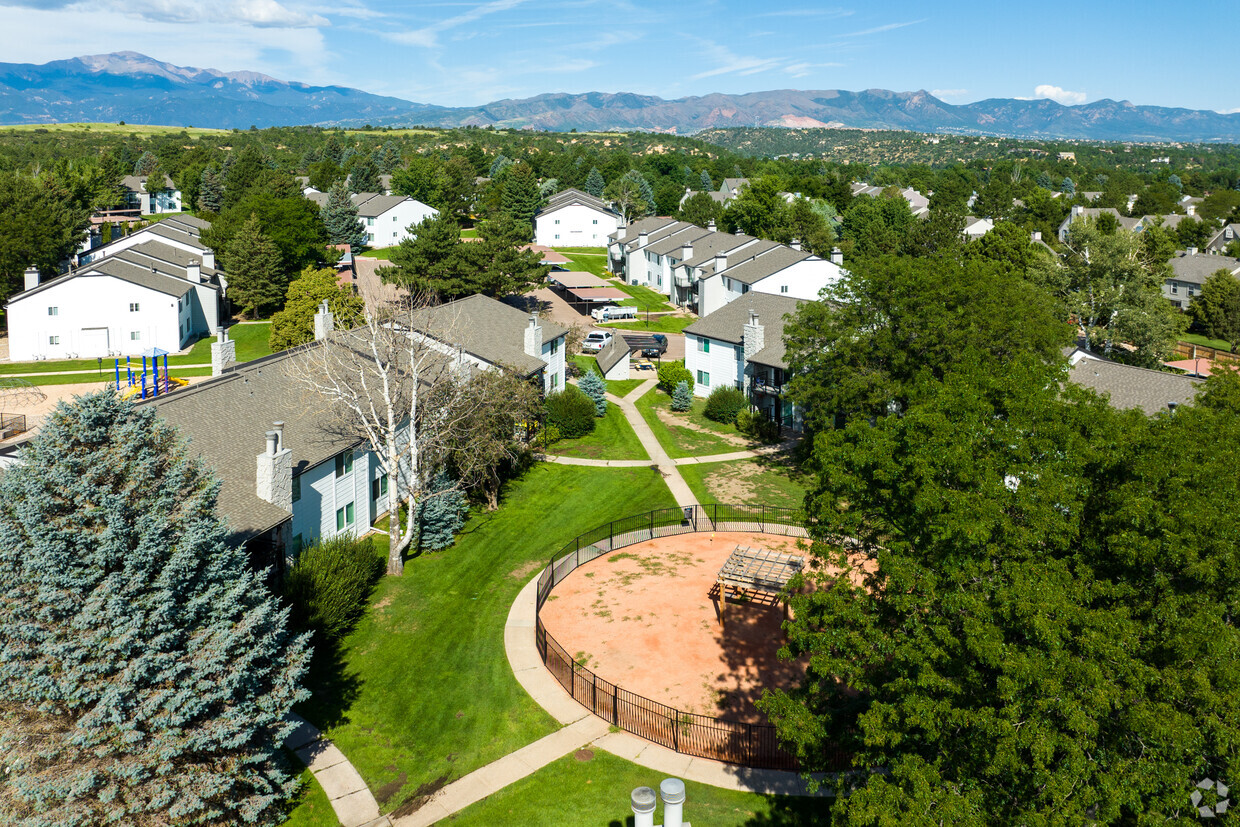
(676, 731)
(762, 525)
(611, 536)
(594, 693)
(615, 705)
(652, 525)
(749, 756)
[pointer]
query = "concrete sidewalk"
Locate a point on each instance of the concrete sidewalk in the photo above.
(349, 796)
(658, 457)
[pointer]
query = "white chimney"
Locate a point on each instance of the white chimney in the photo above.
(754, 335)
(223, 352)
(796, 244)
(193, 271)
(672, 791)
(323, 322)
(208, 259)
(837, 256)
(1191, 209)
(1036, 235)
(275, 470)
(1192, 251)
(31, 278)
(686, 252)
(534, 338)
(710, 225)
(1078, 210)
(721, 262)
(643, 238)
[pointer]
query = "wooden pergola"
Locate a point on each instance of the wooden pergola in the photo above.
(757, 571)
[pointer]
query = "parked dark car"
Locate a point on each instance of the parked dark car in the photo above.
(657, 349)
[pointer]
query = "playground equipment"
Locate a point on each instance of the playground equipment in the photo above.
(135, 384)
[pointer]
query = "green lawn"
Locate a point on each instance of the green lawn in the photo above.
(642, 297)
(382, 253)
(311, 807)
(612, 438)
(251, 339)
(623, 387)
(657, 324)
(595, 265)
(767, 480)
(1205, 341)
(595, 793)
(684, 441)
(424, 692)
(470, 233)
(582, 251)
(108, 376)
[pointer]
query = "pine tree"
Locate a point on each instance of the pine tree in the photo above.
(501, 163)
(647, 192)
(707, 184)
(145, 163)
(593, 386)
(147, 671)
(339, 216)
(211, 192)
(1043, 180)
(365, 178)
(256, 279)
(441, 515)
(1068, 188)
(682, 399)
(594, 183)
(520, 197)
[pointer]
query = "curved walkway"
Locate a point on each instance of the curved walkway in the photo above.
(347, 792)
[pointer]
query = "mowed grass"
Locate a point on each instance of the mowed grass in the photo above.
(768, 480)
(704, 439)
(589, 263)
(656, 324)
(425, 693)
(108, 378)
(251, 339)
(612, 438)
(595, 793)
(1205, 341)
(381, 253)
(616, 387)
(311, 808)
(643, 297)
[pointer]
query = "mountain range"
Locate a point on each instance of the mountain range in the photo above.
(137, 89)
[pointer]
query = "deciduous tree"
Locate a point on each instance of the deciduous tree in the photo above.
(294, 325)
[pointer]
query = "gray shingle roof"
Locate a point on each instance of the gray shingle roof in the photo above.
(630, 233)
(491, 330)
(658, 234)
(752, 268)
(1196, 269)
(570, 196)
(727, 324)
(372, 204)
(134, 183)
(176, 233)
(613, 353)
(143, 276)
(166, 253)
(673, 242)
(1132, 387)
(705, 249)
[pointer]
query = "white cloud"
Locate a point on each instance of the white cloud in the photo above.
(730, 63)
(886, 28)
(1235, 111)
(260, 13)
(949, 93)
(803, 69)
(1058, 94)
(428, 36)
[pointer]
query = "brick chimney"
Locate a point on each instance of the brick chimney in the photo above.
(323, 322)
(534, 338)
(223, 352)
(274, 478)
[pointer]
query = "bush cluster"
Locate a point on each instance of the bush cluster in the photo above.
(758, 427)
(571, 411)
(672, 374)
(724, 404)
(329, 584)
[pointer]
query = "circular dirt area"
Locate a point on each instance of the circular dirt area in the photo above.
(646, 618)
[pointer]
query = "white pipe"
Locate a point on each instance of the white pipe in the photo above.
(672, 791)
(643, 802)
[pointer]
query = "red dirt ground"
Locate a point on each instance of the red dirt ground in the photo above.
(644, 618)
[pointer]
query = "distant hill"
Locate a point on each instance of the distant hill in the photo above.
(137, 89)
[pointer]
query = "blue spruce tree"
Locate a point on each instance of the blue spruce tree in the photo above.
(145, 670)
(1068, 187)
(707, 184)
(594, 183)
(682, 399)
(593, 386)
(441, 515)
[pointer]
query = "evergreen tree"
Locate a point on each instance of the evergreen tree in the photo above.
(294, 325)
(1067, 187)
(520, 197)
(430, 261)
(549, 187)
(145, 163)
(501, 163)
(339, 216)
(365, 178)
(147, 671)
(594, 183)
(1043, 180)
(1216, 311)
(707, 184)
(477, 159)
(1174, 180)
(682, 398)
(441, 514)
(256, 279)
(593, 386)
(647, 191)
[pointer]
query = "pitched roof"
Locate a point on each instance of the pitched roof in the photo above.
(137, 183)
(1222, 239)
(152, 265)
(614, 352)
(176, 233)
(705, 249)
(1197, 268)
(759, 261)
(727, 324)
(570, 197)
(181, 259)
(490, 330)
(733, 184)
(643, 225)
(1131, 387)
(658, 234)
(372, 204)
(675, 241)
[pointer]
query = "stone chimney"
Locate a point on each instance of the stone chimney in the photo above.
(534, 338)
(323, 322)
(795, 244)
(275, 470)
(208, 259)
(837, 256)
(193, 272)
(223, 352)
(754, 335)
(31, 278)
(686, 251)
(721, 262)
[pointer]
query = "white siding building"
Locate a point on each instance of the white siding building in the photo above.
(573, 218)
(388, 219)
(167, 199)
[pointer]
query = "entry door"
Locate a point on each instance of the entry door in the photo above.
(94, 341)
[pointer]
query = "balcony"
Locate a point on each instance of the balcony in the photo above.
(682, 279)
(761, 385)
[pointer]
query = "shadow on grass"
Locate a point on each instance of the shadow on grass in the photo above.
(792, 811)
(333, 689)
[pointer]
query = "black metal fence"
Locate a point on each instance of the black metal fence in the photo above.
(737, 742)
(11, 425)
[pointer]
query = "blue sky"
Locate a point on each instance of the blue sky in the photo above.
(462, 52)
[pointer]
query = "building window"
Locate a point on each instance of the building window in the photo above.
(379, 487)
(296, 489)
(298, 544)
(557, 221)
(1190, 292)
(135, 335)
(53, 311)
(53, 340)
(370, 237)
(783, 288)
(557, 235)
(348, 514)
(1175, 289)
(555, 346)
(344, 464)
(555, 381)
(133, 307)
(596, 221)
(703, 345)
(703, 378)
(370, 222)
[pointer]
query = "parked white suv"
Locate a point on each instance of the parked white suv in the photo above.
(596, 341)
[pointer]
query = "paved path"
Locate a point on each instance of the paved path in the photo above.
(659, 458)
(347, 792)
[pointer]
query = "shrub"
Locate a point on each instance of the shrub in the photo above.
(758, 427)
(672, 374)
(550, 435)
(441, 515)
(682, 399)
(724, 404)
(571, 411)
(329, 584)
(593, 386)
